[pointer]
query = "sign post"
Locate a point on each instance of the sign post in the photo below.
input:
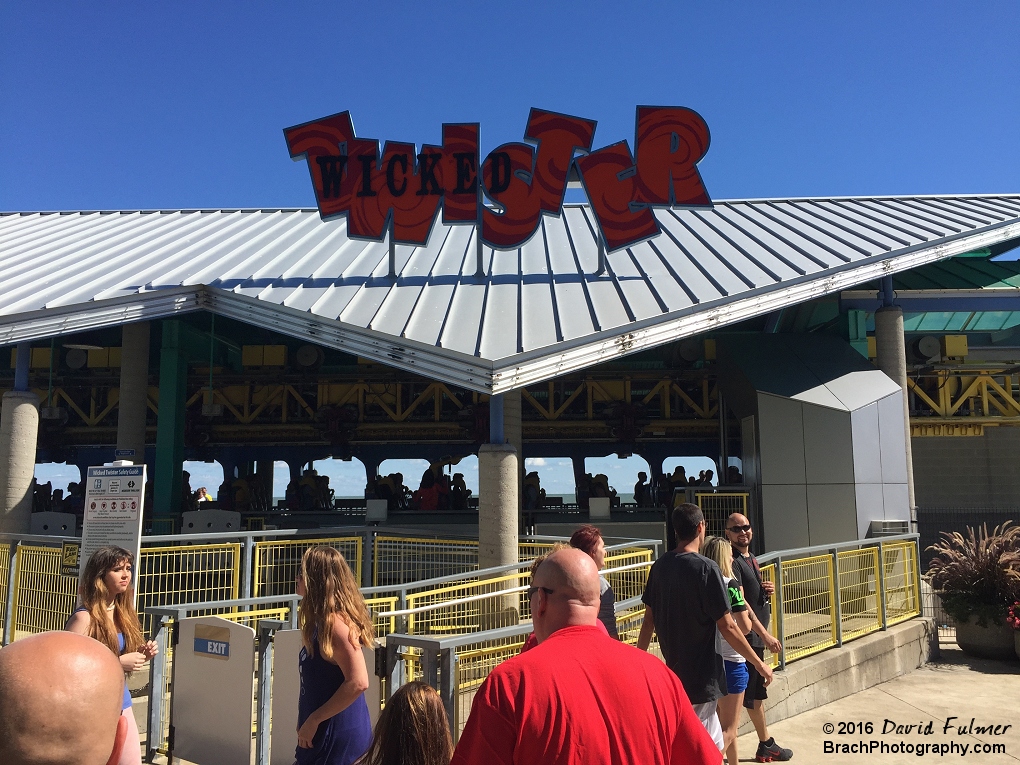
(113, 511)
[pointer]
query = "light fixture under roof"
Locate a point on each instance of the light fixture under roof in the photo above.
(83, 347)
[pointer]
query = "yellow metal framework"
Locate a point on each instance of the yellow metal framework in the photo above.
(859, 593)
(902, 582)
(718, 506)
(809, 624)
(277, 562)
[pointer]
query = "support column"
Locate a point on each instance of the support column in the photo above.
(891, 355)
(173, 369)
(371, 473)
(134, 391)
(580, 487)
(19, 432)
(513, 433)
(498, 500)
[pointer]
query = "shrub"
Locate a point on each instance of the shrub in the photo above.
(978, 574)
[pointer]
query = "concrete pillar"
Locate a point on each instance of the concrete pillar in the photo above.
(19, 432)
(173, 370)
(19, 429)
(497, 525)
(497, 505)
(890, 349)
(513, 433)
(134, 391)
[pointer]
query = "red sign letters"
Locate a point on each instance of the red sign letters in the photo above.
(401, 189)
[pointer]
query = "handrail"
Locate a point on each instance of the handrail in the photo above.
(803, 552)
(481, 596)
(482, 573)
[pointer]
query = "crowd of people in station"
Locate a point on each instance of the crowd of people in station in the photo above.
(575, 694)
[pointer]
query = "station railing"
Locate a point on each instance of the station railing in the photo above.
(35, 596)
(825, 596)
(454, 630)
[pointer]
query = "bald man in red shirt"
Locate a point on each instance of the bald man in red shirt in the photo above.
(580, 696)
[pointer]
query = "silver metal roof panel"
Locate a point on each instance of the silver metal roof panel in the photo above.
(538, 312)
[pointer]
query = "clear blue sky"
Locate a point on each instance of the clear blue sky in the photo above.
(146, 105)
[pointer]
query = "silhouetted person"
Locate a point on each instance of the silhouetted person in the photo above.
(641, 489)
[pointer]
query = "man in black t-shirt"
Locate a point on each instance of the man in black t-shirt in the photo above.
(757, 593)
(685, 602)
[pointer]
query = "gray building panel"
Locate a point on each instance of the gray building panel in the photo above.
(892, 439)
(870, 500)
(867, 454)
(828, 446)
(832, 512)
(781, 439)
(785, 519)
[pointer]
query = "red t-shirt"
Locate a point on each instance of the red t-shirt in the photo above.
(582, 698)
(532, 640)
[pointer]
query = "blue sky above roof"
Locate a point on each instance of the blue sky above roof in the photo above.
(178, 105)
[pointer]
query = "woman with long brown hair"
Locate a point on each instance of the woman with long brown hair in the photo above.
(413, 729)
(334, 727)
(107, 613)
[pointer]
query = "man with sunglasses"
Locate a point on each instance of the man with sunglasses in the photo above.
(580, 697)
(757, 593)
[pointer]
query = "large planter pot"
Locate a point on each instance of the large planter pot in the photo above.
(996, 641)
(1016, 643)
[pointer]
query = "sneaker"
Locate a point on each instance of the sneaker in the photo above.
(770, 751)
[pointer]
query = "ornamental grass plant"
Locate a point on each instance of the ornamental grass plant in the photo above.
(978, 574)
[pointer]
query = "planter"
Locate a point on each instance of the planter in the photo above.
(1016, 643)
(996, 641)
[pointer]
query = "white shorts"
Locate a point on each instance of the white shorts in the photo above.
(706, 713)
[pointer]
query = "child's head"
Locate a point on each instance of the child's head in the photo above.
(413, 729)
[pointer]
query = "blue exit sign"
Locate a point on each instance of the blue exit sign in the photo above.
(219, 649)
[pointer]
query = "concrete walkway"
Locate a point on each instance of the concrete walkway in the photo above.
(954, 686)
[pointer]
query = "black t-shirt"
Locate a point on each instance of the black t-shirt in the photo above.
(754, 593)
(687, 596)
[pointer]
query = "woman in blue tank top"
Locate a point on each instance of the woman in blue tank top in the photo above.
(333, 722)
(107, 613)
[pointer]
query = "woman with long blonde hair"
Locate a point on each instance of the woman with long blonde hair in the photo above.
(720, 551)
(334, 727)
(107, 613)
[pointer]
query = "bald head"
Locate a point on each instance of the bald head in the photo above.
(60, 700)
(573, 578)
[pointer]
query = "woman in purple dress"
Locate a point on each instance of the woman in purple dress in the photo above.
(333, 723)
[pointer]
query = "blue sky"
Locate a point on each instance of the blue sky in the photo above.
(141, 105)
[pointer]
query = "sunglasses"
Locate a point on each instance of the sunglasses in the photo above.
(532, 590)
(740, 529)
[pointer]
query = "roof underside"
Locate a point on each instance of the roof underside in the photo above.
(539, 311)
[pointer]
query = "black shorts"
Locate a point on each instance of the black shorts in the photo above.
(755, 682)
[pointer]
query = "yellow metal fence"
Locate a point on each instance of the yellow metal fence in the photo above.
(277, 562)
(717, 506)
(399, 560)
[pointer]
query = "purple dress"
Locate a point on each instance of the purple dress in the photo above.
(341, 739)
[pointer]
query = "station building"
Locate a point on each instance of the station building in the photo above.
(859, 356)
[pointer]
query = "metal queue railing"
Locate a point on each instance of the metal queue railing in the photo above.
(824, 596)
(35, 596)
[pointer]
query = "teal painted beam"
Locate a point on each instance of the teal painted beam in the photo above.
(173, 372)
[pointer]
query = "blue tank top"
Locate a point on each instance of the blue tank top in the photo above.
(343, 738)
(120, 644)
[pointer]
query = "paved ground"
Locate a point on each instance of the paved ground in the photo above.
(956, 686)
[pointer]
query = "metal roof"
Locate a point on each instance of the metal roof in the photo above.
(538, 312)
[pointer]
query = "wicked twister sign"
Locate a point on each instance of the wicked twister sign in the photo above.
(405, 188)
